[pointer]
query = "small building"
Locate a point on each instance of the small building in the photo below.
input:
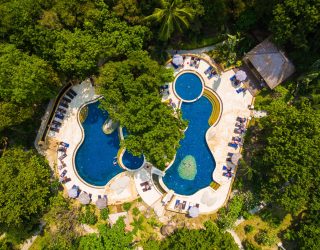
(269, 64)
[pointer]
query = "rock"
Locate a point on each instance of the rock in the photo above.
(109, 126)
(188, 168)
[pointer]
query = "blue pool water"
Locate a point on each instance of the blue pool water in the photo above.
(94, 158)
(188, 86)
(132, 162)
(194, 143)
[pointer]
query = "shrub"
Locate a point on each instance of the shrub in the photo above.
(248, 228)
(135, 211)
(88, 216)
(126, 206)
(104, 213)
(247, 245)
(266, 238)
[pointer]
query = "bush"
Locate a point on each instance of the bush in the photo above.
(248, 228)
(135, 211)
(266, 238)
(126, 206)
(104, 213)
(247, 245)
(88, 216)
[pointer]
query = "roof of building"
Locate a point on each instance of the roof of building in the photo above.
(271, 63)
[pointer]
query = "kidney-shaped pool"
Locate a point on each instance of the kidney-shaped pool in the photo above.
(96, 157)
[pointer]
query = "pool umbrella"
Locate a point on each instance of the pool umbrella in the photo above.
(241, 75)
(194, 212)
(177, 60)
(84, 198)
(101, 203)
(235, 158)
(208, 198)
(73, 193)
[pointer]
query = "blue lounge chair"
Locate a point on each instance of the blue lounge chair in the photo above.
(177, 203)
(233, 78)
(175, 66)
(224, 168)
(208, 70)
(72, 92)
(64, 144)
(233, 145)
(239, 90)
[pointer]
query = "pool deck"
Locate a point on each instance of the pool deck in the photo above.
(218, 137)
(71, 133)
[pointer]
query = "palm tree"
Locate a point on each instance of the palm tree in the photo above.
(172, 16)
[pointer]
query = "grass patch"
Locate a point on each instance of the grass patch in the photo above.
(251, 230)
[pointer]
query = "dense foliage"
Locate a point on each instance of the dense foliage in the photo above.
(209, 238)
(114, 237)
(24, 188)
(131, 96)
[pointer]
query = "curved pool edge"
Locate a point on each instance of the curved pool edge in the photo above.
(184, 72)
(214, 124)
(80, 143)
(120, 154)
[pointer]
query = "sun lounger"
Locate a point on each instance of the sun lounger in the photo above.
(66, 99)
(240, 119)
(99, 196)
(62, 104)
(239, 90)
(233, 145)
(70, 95)
(64, 172)
(64, 144)
(197, 205)
(54, 129)
(208, 70)
(233, 78)
(65, 180)
(72, 92)
(62, 156)
(146, 188)
(105, 197)
(56, 122)
(177, 203)
(59, 116)
(184, 203)
(144, 183)
(61, 110)
(175, 66)
(60, 167)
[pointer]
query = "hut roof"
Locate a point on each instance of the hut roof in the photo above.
(271, 63)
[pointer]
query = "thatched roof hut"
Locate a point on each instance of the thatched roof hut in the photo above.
(266, 61)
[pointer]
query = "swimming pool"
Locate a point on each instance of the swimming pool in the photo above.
(95, 157)
(193, 149)
(188, 87)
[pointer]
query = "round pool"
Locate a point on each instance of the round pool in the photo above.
(132, 162)
(188, 87)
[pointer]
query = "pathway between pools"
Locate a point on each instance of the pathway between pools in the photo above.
(192, 51)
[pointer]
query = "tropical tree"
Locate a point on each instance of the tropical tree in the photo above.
(24, 188)
(210, 237)
(173, 15)
(131, 96)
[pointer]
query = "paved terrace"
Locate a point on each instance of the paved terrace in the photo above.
(218, 137)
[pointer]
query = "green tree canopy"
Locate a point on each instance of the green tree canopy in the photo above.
(296, 22)
(287, 164)
(173, 15)
(24, 188)
(131, 96)
(114, 237)
(25, 79)
(211, 237)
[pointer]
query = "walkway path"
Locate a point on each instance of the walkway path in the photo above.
(236, 238)
(198, 51)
